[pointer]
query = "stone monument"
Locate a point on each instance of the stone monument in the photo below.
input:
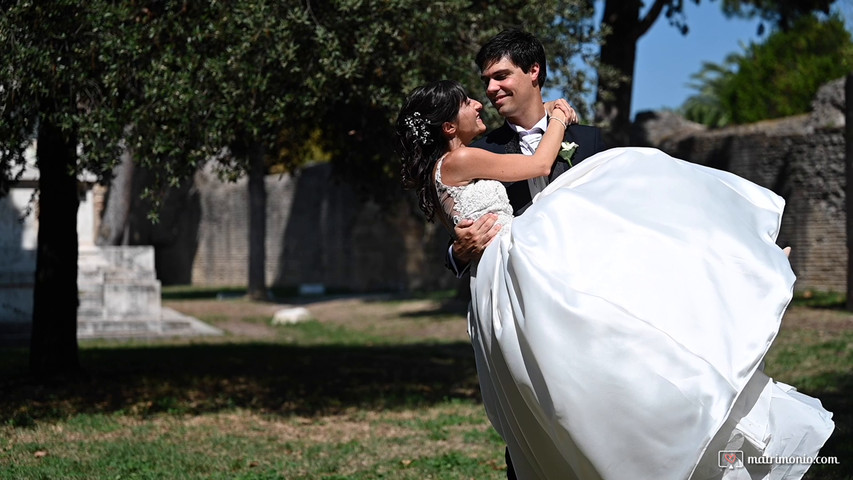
(118, 288)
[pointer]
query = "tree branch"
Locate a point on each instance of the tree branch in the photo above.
(646, 22)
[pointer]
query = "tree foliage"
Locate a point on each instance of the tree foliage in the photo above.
(177, 82)
(706, 107)
(781, 14)
(408, 43)
(53, 71)
(776, 78)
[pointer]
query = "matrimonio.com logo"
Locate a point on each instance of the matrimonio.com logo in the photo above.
(732, 459)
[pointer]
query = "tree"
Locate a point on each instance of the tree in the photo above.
(341, 67)
(624, 22)
(246, 64)
(425, 41)
(176, 84)
(776, 78)
(55, 89)
(781, 76)
(706, 107)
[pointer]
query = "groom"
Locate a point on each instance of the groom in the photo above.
(513, 69)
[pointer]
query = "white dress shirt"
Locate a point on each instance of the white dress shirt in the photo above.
(529, 140)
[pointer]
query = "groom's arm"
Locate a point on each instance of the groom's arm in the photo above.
(472, 237)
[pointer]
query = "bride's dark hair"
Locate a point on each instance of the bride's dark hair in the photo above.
(421, 141)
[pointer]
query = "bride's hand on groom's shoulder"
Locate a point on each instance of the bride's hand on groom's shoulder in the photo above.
(562, 105)
(472, 237)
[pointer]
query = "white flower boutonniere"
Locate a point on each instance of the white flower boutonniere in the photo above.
(567, 151)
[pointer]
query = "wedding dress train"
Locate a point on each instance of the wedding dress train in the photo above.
(619, 326)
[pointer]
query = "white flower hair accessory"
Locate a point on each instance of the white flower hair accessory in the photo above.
(419, 127)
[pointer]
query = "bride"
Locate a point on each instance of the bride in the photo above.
(619, 325)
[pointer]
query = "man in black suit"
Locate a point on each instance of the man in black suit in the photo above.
(513, 68)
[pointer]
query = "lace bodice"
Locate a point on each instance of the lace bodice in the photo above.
(474, 200)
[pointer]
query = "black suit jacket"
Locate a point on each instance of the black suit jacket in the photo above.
(505, 140)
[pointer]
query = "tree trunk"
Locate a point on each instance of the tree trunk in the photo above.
(257, 224)
(53, 345)
(619, 52)
(848, 154)
(113, 229)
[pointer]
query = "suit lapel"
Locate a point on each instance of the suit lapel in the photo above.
(561, 166)
(513, 146)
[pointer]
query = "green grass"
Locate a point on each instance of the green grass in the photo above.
(189, 292)
(242, 444)
(345, 400)
(820, 363)
(314, 401)
(819, 299)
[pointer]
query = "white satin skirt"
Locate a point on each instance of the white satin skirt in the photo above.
(619, 327)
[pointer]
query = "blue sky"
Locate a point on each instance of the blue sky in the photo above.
(666, 59)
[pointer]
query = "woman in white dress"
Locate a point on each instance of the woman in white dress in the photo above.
(619, 326)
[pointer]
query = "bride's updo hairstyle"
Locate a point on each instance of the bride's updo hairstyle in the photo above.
(420, 139)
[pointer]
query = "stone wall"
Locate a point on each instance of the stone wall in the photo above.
(318, 232)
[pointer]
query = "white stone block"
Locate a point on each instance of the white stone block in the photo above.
(289, 316)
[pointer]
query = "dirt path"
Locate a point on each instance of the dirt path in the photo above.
(394, 315)
(381, 314)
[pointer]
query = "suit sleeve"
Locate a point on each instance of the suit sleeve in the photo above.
(452, 264)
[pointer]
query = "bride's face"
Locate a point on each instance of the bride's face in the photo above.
(468, 121)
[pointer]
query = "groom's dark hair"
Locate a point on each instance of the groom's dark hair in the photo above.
(522, 48)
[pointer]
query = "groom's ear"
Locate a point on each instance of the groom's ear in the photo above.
(534, 74)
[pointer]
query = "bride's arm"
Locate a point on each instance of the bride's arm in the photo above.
(464, 165)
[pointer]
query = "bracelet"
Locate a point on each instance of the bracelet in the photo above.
(561, 122)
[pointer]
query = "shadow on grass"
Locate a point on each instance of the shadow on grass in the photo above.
(840, 444)
(445, 307)
(263, 377)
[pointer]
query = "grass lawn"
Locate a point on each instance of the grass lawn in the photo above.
(376, 387)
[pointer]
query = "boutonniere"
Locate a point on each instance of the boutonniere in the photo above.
(567, 151)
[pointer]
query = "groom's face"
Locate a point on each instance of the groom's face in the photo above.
(510, 89)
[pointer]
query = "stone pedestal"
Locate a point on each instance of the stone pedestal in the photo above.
(118, 288)
(120, 297)
(119, 292)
